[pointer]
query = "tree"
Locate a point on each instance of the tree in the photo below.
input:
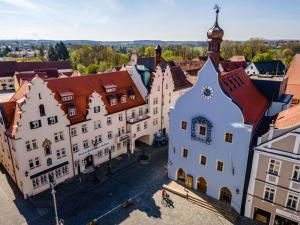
(41, 50)
(150, 51)
(266, 56)
(62, 51)
(52, 54)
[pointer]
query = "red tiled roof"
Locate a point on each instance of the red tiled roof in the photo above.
(243, 92)
(84, 86)
(228, 66)
(288, 118)
(293, 73)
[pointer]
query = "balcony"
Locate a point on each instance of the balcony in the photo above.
(122, 137)
(137, 118)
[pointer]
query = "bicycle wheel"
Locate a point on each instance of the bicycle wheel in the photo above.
(164, 202)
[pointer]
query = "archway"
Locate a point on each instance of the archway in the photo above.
(225, 195)
(202, 185)
(181, 175)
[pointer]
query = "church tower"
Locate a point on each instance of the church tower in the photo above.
(215, 35)
(157, 54)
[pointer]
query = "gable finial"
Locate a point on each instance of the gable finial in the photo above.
(217, 8)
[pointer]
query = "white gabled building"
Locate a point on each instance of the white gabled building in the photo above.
(63, 127)
(211, 128)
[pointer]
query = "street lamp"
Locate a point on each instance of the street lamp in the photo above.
(109, 163)
(51, 181)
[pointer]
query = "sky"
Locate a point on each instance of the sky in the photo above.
(127, 20)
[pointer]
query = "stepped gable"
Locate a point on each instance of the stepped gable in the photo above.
(179, 78)
(243, 92)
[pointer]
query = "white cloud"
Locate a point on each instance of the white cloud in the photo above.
(23, 4)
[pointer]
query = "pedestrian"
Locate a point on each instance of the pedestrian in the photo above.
(164, 193)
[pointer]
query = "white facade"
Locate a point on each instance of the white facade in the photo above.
(208, 106)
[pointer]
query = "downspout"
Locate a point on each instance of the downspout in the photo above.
(71, 151)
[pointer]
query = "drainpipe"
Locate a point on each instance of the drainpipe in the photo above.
(71, 151)
(162, 94)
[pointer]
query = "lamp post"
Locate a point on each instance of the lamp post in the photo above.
(109, 163)
(51, 180)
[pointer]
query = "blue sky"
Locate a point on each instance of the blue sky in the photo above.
(147, 19)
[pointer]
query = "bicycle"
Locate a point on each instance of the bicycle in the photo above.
(167, 202)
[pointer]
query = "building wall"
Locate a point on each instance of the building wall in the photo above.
(284, 149)
(251, 69)
(230, 119)
(40, 94)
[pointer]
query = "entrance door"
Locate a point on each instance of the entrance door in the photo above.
(89, 161)
(201, 185)
(261, 216)
(225, 195)
(283, 221)
(181, 175)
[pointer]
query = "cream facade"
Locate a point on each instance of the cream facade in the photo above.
(274, 186)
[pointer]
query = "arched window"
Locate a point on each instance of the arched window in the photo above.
(42, 110)
(49, 162)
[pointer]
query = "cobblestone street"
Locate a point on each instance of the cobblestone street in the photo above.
(104, 200)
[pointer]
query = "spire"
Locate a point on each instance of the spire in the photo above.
(157, 54)
(215, 35)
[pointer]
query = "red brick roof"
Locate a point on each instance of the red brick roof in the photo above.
(243, 92)
(84, 86)
(288, 118)
(293, 73)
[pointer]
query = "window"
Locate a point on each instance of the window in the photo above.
(65, 169)
(185, 153)
(140, 111)
(274, 166)
(269, 194)
(67, 98)
(85, 144)
(75, 147)
(145, 125)
(84, 128)
(121, 117)
(96, 109)
(118, 146)
(167, 86)
(220, 166)
(58, 173)
(138, 127)
(49, 162)
(292, 202)
(98, 139)
(58, 136)
(42, 110)
(34, 144)
(44, 179)
(113, 101)
(155, 110)
(125, 143)
(106, 151)
(35, 182)
(58, 154)
(183, 125)
(72, 111)
(109, 135)
(99, 154)
(31, 164)
(109, 121)
(202, 130)
(35, 124)
(40, 96)
(132, 96)
(97, 124)
(123, 98)
(296, 173)
(37, 161)
(52, 120)
(158, 88)
(203, 160)
(73, 131)
(228, 137)
(28, 146)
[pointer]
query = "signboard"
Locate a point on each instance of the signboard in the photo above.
(98, 147)
(288, 215)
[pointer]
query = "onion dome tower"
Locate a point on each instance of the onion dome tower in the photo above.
(157, 54)
(215, 35)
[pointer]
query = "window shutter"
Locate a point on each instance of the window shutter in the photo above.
(40, 123)
(56, 119)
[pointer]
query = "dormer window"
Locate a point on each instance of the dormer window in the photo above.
(66, 96)
(110, 87)
(72, 111)
(113, 101)
(123, 98)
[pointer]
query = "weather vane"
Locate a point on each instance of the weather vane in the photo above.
(217, 8)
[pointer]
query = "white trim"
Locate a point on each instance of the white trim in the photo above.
(287, 197)
(272, 187)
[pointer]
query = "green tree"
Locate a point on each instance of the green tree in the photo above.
(266, 56)
(52, 54)
(92, 68)
(150, 51)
